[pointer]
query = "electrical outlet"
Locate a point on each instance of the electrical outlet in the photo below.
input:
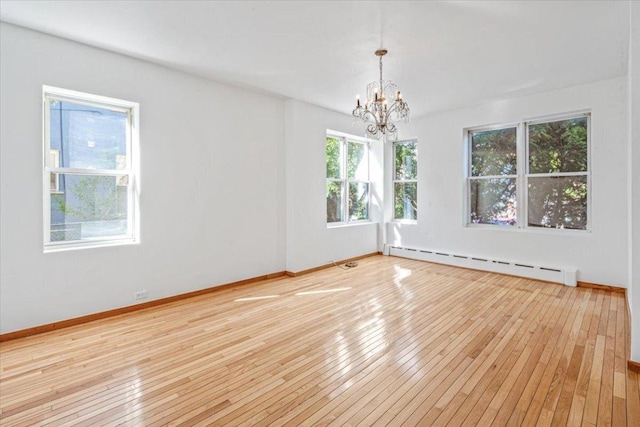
(140, 295)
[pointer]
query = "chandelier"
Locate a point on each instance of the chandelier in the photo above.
(383, 106)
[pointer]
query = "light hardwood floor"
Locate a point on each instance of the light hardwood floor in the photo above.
(390, 342)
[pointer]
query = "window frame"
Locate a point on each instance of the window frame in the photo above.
(522, 173)
(345, 180)
(131, 169)
(403, 181)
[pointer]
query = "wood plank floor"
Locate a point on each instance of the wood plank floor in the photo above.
(391, 342)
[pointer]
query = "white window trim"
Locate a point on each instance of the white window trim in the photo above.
(132, 169)
(404, 181)
(345, 138)
(522, 167)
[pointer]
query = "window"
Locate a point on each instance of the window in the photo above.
(558, 173)
(492, 179)
(347, 159)
(89, 170)
(546, 170)
(405, 180)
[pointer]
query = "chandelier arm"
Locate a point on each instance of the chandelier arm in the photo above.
(368, 113)
(373, 130)
(391, 127)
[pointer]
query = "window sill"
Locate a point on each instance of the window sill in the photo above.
(532, 230)
(349, 224)
(64, 247)
(405, 221)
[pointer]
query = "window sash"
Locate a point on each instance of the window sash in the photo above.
(128, 236)
(129, 126)
(470, 133)
(549, 181)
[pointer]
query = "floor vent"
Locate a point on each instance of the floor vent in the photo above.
(564, 275)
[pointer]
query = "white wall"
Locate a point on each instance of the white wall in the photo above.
(212, 184)
(634, 180)
(309, 242)
(600, 256)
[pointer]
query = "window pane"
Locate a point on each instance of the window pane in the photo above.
(406, 161)
(558, 202)
(333, 151)
(88, 206)
(334, 201)
(558, 146)
(357, 161)
(493, 152)
(88, 137)
(358, 201)
(406, 200)
(493, 201)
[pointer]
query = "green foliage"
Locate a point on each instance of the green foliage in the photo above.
(356, 168)
(406, 200)
(333, 157)
(493, 152)
(406, 168)
(554, 147)
(558, 146)
(358, 201)
(334, 201)
(93, 198)
(493, 201)
(406, 161)
(558, 202)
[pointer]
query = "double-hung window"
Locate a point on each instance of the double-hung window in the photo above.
(558, 176)
(348, 185)
(492, 178)
(89, 173)
(405, 180)
(542, 165)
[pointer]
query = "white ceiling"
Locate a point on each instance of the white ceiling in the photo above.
(442, 55)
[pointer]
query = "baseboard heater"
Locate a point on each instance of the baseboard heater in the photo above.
(564, 275)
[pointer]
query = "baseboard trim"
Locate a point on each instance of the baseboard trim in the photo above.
(601, 287)
(633, 366)
(128, 309)
(322, 267)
